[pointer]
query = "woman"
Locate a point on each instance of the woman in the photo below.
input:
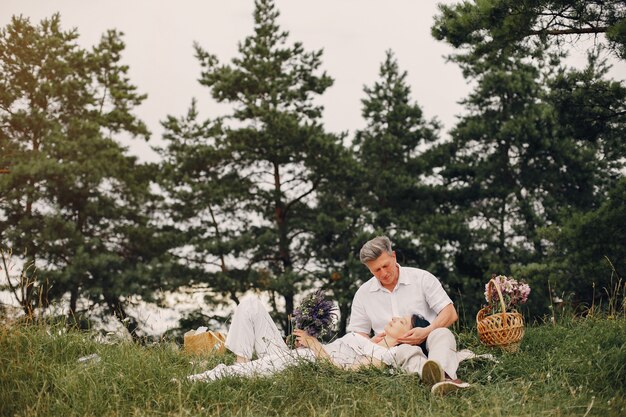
(252, 332)
(367, 352)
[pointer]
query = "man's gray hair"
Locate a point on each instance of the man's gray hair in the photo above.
(374, 248)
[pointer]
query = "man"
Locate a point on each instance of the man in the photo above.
(396, 291)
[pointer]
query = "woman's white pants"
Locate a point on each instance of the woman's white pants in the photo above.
(252, 330)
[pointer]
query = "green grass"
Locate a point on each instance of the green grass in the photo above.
(574, 368)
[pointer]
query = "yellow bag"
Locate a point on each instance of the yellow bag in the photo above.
(205, 343)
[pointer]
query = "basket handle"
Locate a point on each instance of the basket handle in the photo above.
(492, 282)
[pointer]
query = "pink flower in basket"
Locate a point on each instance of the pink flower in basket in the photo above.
(514, 292)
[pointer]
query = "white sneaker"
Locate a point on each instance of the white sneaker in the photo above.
(432, 373)
(448, 386)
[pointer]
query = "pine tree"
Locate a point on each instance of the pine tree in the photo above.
(489, 26)
(517, 163)
(74, 202)
(540, 143)
(339, 230)
(255, 173)
(393, 150)
(589, 249)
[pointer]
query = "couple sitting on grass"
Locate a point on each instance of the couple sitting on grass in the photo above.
(407, 308)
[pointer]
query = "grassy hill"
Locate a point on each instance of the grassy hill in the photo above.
(576, 368)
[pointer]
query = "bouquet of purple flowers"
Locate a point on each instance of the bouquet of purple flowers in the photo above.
(315, 315)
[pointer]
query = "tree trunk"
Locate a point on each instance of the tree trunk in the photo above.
(116, 308)
(289, 309)
(283, 244)
(130, 323)
(73, 301)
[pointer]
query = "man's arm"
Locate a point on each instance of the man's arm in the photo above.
(446, 317)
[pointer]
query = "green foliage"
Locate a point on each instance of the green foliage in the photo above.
(574, 368)
(494, 169)
(589, 250)
(538, 142)
(394, 150)
(251, 177)
(591, 110)
(488, 26)
(204, 189)
(391, 150)
(378, 188)
(263, 198)
(74, 202)
(338, 234)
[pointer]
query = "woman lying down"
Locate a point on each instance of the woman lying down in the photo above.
(253, 331)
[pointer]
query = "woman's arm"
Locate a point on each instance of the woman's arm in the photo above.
(318, 349)
(308, 341)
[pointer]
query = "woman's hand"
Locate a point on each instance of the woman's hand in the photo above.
(306, 340)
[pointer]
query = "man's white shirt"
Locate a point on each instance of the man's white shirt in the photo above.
(417, 292)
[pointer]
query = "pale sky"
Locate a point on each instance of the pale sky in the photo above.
(354, 35)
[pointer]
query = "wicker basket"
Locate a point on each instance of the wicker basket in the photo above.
(504, 329)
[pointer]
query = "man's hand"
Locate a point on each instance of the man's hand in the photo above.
(415, 336)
